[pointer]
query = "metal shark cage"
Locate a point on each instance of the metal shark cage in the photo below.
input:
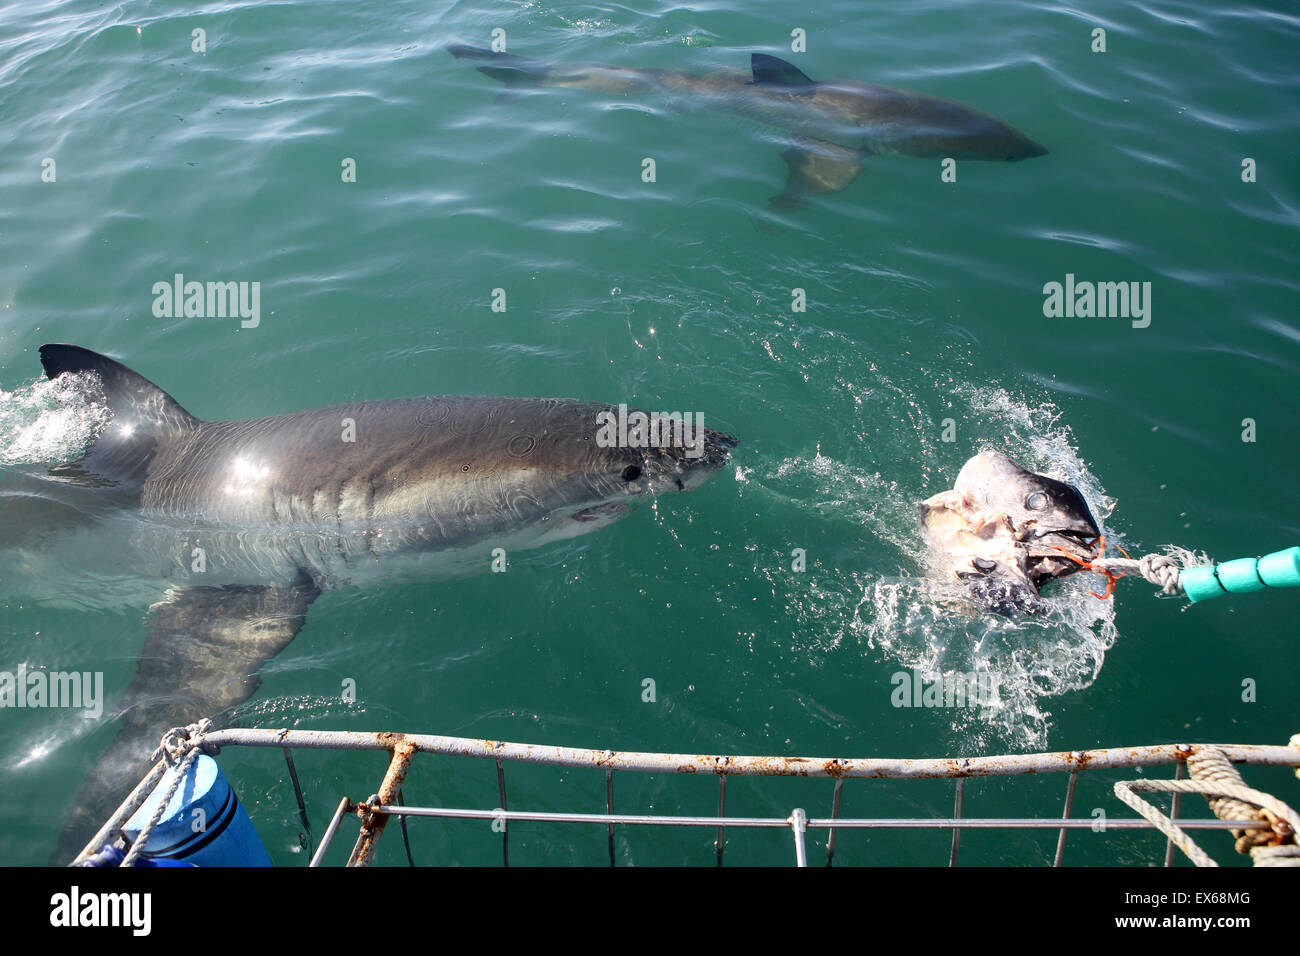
(1263, 826)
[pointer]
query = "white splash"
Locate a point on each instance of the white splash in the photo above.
(905, 615)
(51, 422)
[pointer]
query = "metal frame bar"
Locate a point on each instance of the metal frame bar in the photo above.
(835, 812)
(956, 813)
(799, 823)
(609, 805)
(372, 820)
(344, 805)
(871, 767)
(1065, 815)
(302, 806)
(1173, 815)
(885, 823)
(403, 747)
(720, 841)
(505, 824)
(134, 800)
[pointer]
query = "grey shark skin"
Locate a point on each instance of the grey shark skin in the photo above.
(1002, 529)
(835, 125)
(286, 506)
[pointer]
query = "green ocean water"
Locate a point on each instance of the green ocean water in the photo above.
(924, 303)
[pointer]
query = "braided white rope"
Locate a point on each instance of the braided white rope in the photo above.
(1286, 855)
(1229, 798)
(1162, 570)
(180, 743)
(1124, 790)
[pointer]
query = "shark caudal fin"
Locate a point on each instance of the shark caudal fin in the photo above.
(143, 415)
(514, 71)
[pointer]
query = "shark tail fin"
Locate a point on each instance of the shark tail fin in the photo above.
(143, 415)
(516, 72)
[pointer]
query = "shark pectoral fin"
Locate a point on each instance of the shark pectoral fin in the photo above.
(200, 659)
(514, 71)
(816, 167)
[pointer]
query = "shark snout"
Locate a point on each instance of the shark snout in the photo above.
(698, 463)
(1026, 148)
(678, 465)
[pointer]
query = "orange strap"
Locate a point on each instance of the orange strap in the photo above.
(1111, 576)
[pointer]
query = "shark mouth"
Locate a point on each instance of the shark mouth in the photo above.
(610, 509)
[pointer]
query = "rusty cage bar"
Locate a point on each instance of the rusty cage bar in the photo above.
(375, 811)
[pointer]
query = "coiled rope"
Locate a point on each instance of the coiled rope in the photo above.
(181, 746)
(1214, 777)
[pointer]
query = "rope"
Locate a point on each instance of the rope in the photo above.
(1211, 765)
(1214, 777)
(183, 744)
(1163, 570)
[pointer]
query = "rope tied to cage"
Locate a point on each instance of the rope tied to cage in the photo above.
(1214, 777)
(180, 747)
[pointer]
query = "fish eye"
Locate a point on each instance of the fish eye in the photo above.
(1037, 501)
(984, 564)
(631, 473)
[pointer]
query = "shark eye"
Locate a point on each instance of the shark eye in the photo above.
(1036, 501)
(631, 473)
(984, 564)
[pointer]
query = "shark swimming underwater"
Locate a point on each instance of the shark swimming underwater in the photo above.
(281, 508)
(835, 125)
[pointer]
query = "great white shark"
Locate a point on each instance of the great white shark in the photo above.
(835, 125)
(283, 507)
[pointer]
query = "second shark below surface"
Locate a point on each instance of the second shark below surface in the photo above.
(835, 124)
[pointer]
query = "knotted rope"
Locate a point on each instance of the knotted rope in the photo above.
(1214, 777)
(1163, 570)
(181, 746)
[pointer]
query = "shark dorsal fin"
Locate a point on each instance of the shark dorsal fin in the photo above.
(143, 414)
(773, 71)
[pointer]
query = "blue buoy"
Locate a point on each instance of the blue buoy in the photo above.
(203, 824)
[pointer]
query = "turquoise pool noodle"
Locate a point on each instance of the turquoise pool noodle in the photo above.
(1239, 576)
(1278, 570)
(1281, 569)
(1200, 583)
